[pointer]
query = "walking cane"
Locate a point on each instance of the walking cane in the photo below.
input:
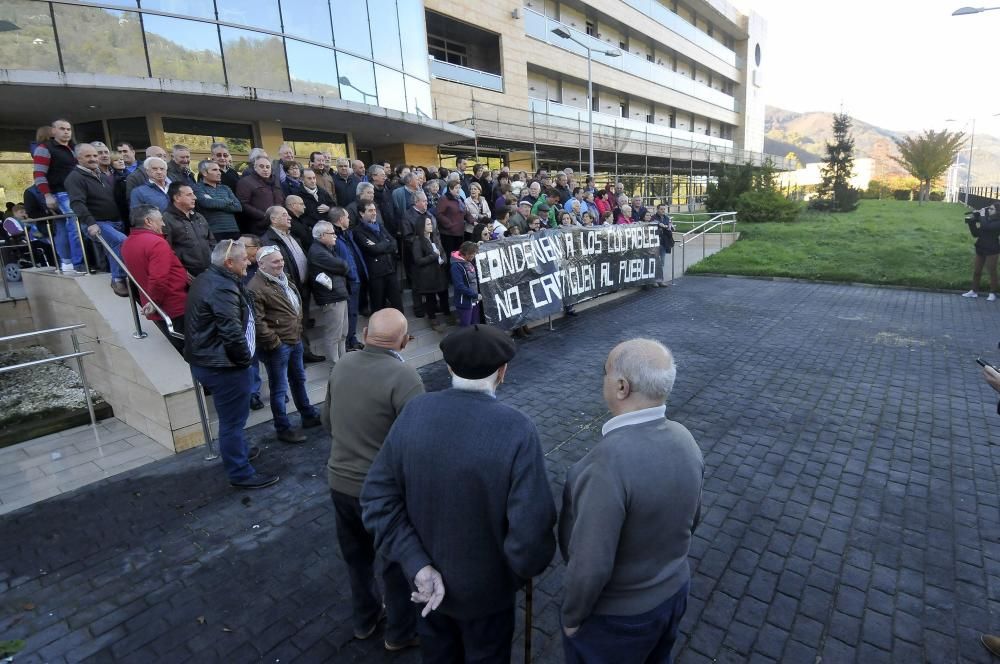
(527, 623)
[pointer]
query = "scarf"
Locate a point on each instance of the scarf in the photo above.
(289, 291)
(374, 228)
(312, 192)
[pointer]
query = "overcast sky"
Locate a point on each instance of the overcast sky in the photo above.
(898, 64)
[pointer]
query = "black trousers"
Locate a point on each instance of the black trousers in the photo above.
(384, 291)
(446, 640)
(357, 546)
(434, 303)
(451, 243)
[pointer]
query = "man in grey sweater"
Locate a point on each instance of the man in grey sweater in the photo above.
(367, 391)
(629, 509)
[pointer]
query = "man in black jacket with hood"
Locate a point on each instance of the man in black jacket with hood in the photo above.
(219, 342)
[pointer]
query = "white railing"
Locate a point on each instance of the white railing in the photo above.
(466, 75)
(670, 20)
(540, 27)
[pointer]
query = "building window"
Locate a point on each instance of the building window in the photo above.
(183, 50)
(650, 118)
(306, 141)
(447, 51)
(257, 14)
(623, 46)
(100, 41)
(199, 135)
(351, 31)
(130, 130)
(192, 8)
(591, 28)
(246, 54)
(650, 58)
(32, 45)
(302, 19)
(673, 120)
(385, 36)
(623, 109)
(313, 69)
(595, 104)
(357, 79)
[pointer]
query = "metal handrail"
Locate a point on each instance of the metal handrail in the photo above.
(47, 360)
(199, 394)
(38, 333)
(77, 354)
(702, 230)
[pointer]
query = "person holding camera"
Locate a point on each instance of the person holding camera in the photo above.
(985, 227)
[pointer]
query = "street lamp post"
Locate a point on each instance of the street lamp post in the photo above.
(962, 11)
(611, 53)
(346, 82)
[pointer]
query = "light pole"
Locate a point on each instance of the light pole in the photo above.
(962, 11)
(611, 53)
(346, 82)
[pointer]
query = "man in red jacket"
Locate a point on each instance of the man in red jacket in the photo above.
(152, 262)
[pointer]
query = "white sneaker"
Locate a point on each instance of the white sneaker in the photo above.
(971, 293)
(66, 267)
(992, 297)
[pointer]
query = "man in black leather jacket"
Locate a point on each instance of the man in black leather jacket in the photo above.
(219, 342)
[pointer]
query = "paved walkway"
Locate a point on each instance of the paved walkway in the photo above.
(850, 511)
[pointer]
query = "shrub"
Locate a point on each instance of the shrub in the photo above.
(761, 206)
(902, 194)
(936, 196)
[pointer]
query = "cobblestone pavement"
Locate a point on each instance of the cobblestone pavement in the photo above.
(850, 511)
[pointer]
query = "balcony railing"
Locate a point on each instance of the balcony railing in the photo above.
(540, 27)
(638, 127)
(466, 75)
(670, 20)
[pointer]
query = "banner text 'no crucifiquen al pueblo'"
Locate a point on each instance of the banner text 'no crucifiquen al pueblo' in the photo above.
(528, 277)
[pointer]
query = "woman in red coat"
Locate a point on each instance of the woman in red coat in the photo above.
(258, 191)
(451, 218)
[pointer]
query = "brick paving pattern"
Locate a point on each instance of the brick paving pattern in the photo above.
(850, 511)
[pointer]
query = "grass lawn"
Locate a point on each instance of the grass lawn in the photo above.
(882, 242)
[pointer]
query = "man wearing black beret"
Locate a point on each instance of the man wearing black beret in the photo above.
(459, 497)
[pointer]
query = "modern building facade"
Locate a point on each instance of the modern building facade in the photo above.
(346, 76)
(681, 91)
(417, 81)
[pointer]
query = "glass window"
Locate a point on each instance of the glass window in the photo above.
(170, 56)
(199, 135)
(192, 8)
(254, 59)
(313, 69)
(100, 41)
(357, 79)
(351, 31)
(391, 93)
(418, 97)
(385, 36)
(31, 43)
(86, 132)
(255, 13)
(307, 19)
(412, 25)
(307, 141)
(130, 130)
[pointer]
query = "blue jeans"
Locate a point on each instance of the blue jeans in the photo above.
(647, 637)
(255, 372)
(231, 393)
(65, 234)
(111, 231)
(352, 313)
(284, 368)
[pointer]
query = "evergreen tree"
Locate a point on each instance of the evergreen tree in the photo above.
(839, 166)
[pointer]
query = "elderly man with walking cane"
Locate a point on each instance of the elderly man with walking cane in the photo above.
(463, 505)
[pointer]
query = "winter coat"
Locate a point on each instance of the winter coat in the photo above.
(158, 270)
(465, 282)
(451, 217)
(215, 321)
(323, 260)
(256, 195)
(379, 249)
(190, 238)
(429, 272)
(276, 320)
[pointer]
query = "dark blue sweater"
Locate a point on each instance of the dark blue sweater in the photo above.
(460, 484)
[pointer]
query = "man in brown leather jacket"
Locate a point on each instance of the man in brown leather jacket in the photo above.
(278, 320)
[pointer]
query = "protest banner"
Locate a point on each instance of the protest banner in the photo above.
(528, 277)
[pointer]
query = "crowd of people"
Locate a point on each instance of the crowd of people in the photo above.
(234, 266)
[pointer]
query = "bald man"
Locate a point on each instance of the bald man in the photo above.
(366, 392)
(629, 509)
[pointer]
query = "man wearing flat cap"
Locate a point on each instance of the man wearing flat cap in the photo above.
(459, 497)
